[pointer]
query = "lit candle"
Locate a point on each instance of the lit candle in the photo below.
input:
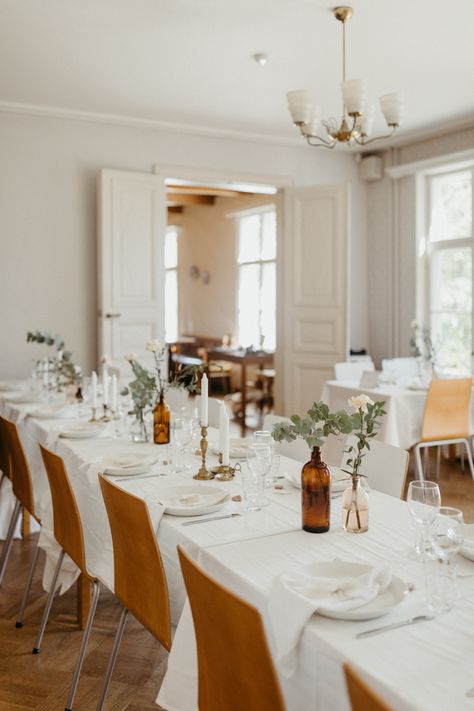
(94, 389)
(45, 373)
(105, 385)
(113, 396)
(226, 440)
(221, 428)
(204, 401)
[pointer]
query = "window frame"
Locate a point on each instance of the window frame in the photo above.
(238, 216)
(431, 248)
(177, 229)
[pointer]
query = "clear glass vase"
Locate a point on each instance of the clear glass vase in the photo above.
(355, 507)
(140, 429)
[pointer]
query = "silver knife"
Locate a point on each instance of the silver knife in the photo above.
(205, 520)
(394, 626)
(123, 479)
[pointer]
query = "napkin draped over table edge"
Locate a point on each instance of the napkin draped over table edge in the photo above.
(297, 595)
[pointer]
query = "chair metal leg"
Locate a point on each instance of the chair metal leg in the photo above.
(112, 659)
(49, 602)
(7, 546)
(426, 463)
(438, 461)
(418, 464)
(19, 621)
(469, 457)
(85, 640)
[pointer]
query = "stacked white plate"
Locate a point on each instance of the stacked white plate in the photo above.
(85, 430)
(193, 500)
(54, 412)
(26, 397)
(128, 465)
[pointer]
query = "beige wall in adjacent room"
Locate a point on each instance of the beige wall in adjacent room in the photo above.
(391, 228)
(207, 239)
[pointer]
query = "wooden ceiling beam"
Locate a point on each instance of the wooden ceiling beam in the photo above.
(173, 199)
(204, 190)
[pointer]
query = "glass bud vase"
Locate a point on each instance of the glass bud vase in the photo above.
(161, 422)
(355, 507)
(138, 429)
(315, 494)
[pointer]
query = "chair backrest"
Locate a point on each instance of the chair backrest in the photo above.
(67, 520)
(447, 409)
(352, 370)
(177, 399)
(399, 367)
(139, 576)
(214, 409)
(234, 663)
(5, 463)
(384, 465)
(20, 471)
(361, 696)
(298, 449)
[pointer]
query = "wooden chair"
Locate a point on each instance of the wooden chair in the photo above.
(139, 576)
(17, 469)
(385, 466)
(234, 663)
(361, 696)
(446, 419)
(70, 536)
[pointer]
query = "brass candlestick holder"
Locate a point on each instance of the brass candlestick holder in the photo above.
(223, 472)
(105, 417)
(94, 415)
(203, 474)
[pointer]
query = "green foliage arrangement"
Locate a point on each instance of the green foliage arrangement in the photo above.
(315, 427)
(67, 373)
(365, 423)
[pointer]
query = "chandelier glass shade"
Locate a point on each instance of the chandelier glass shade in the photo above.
(355, 125)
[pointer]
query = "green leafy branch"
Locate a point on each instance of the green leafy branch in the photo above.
(318, 424)
(365, 424)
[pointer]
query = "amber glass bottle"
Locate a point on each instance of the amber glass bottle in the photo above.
(315, 494)
(161, 422)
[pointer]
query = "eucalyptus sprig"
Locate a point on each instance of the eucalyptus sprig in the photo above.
(365, 423)
(315, 427)
(63, 366)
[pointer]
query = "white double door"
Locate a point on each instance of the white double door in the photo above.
(312, 278)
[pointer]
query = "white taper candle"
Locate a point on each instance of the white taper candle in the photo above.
(226, 440)
(94, 389)
(204, 400)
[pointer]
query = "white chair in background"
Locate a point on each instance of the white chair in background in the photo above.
(400, 367)
(297, 449)
(214, 409)
(177, 399)
(352, 370)
(384, 465)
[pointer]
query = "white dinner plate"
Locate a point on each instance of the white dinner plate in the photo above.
(128, 467)
(467, 548)
(27, 397)
(193, 490)
(381, 605)
(54, 413)
(238, 449)
(85, 431)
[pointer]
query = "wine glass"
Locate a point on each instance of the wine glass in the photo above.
(183, 433)
(446, 540)
(265, 437)
(424, 501)
(259, 462)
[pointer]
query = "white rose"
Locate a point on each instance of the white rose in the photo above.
(106, 360)
(415, 324)
(153, 345)
(360, 402)
(130, 357)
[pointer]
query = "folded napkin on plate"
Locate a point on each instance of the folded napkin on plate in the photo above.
(126, 461)
(297, 595)
(192, 500)
(58, 410)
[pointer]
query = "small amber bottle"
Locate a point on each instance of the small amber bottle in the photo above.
(161, 422)
(316, 494)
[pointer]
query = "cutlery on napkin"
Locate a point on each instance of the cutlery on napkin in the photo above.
(297, 595)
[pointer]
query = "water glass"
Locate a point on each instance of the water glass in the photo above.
(446, 540)
(252, 489)
(183, 434)
(424, 501)
(259, 462)
(265, 437)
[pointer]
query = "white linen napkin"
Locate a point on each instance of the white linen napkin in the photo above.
(297, 595)
(192, 500)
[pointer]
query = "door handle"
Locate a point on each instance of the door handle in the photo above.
(112, 315)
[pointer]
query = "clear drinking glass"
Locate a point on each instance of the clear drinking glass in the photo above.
(424, 501)
(252, 489)
(446, 540)
(183, 434)
(265, 437)
(259, 462)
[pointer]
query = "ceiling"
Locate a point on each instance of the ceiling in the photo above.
(189, 61)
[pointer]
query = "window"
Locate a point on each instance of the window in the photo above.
(449, 254)
(171, 284)
(256, 298)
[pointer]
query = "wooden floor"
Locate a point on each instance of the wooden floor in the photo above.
(42, 682)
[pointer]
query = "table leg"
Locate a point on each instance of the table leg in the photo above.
(83, 600)
(25, 523)
(243, 391)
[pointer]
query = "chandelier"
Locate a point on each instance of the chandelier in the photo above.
(357, 119)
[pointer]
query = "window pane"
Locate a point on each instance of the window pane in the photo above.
(171, 305)
(451, 206)
(269, 235)
(268, 305)
(171, 248)
(248, 300)
(451, 304)
(249, 239)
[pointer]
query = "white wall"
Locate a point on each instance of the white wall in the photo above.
(48, 178)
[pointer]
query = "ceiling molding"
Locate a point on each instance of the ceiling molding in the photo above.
(150, 124)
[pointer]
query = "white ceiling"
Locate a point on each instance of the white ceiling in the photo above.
(188, 61)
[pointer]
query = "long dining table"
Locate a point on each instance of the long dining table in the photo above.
(416, 668)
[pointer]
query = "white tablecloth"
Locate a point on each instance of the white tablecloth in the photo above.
(427, 666)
